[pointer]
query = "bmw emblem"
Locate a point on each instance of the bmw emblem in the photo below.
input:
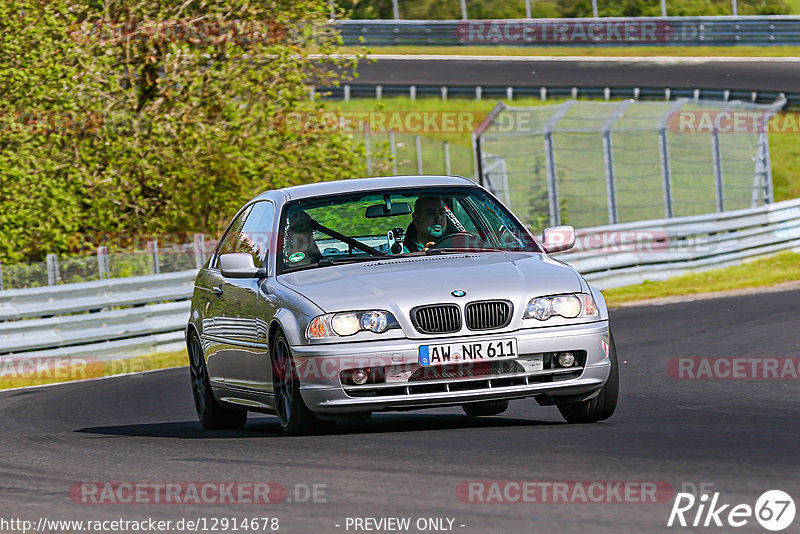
(458, 293)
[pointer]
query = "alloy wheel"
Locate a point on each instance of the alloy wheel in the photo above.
(198, 374)
(284, 381)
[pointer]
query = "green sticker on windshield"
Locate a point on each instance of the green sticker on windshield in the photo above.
(297, 256)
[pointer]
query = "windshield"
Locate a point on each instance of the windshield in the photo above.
(375, 225)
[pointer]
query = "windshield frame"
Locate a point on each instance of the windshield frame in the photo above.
(439, 190)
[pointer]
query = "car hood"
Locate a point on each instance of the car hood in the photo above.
(398, 285)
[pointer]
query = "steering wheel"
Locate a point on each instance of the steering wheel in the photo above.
(460, 240)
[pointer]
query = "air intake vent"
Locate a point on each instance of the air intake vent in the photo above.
(488, 314)
(420, 259)
(446, 372)
(437, 319)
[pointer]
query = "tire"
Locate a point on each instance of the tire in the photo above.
(211, 415)
(481, 409)
(293, 414)
(603, 405)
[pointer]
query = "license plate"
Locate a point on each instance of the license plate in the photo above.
(474, 351)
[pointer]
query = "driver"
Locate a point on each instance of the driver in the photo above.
(428, 224)
(299, 247)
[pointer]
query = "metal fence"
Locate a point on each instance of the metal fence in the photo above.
(155, 258)
(545, 93)
(527, 6)
(591, 163)
(395, 153)
(625, 254)
(659, 31)
(101, 319)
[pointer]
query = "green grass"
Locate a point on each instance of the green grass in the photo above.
(70, 369)
(784, 150)
(599, 51)
(767, 272)
(794, 6)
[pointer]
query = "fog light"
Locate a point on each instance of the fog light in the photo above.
(566, 359)
(359, 377)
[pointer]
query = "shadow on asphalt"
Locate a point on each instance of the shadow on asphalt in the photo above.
(268, 427)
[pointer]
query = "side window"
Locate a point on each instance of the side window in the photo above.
(257, 229)
(228, 243)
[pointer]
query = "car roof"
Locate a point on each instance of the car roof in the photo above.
(367, 184)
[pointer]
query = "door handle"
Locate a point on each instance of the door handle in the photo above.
(217, 290)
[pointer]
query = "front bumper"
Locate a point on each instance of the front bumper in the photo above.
(321, 388)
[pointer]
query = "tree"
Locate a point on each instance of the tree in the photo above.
(179, 114)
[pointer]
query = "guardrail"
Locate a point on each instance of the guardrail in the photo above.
(631, 253)
(88, 296)
(657, 31)
(133, 315)
(99, 319)
(511, 92)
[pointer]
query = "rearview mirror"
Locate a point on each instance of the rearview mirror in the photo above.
(239, 265)
(395, 209)
(558, 238)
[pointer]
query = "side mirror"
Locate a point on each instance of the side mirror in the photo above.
(558, 238)
(239, 265)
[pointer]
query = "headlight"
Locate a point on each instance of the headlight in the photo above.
(569, 306)
(345, 324)
(376, 321)
(349, 323)
(541, 309)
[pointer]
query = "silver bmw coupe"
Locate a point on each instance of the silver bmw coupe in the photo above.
(334, 300)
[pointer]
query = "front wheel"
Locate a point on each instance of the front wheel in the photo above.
(603, 405)
(211, 415)
(293, 414)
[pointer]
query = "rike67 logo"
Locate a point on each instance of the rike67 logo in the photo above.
(774, 510)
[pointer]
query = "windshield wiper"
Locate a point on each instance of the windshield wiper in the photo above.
(326, 262)
(329, 262)
(458, 250)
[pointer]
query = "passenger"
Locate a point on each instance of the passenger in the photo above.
(299, 247)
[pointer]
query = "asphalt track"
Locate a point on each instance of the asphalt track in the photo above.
(762, 74)
(742, 436)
